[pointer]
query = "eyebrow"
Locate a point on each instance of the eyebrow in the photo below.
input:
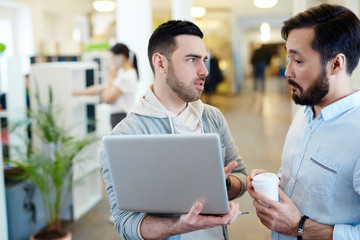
(296, 52)
(195, 56)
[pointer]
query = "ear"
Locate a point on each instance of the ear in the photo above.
(338, 64)
(160, 63)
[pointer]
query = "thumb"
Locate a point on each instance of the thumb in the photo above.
(195, 209)
(283, 197)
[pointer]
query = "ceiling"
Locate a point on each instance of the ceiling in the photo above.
(241, 8)
(236, 7)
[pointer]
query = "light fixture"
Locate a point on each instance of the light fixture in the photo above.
(265, 27)
(198, 12)
(265, 32)
(265, 36)
(265, 3)
(104, 5)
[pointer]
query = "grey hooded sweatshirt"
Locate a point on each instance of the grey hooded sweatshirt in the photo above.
(151, 117)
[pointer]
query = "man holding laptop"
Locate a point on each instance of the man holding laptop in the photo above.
(172, 105)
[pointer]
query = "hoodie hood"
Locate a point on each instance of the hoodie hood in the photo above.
(150, 106)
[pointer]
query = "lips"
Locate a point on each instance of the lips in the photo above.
(199, 85)
(294, 85)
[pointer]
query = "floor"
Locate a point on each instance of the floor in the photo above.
(258, 122)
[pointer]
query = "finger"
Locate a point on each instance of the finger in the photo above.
(234, 212)
(255, 172)
(264, 199)
(283, 197)
(195, 210)
(248, 183)
(229, 167)
(260, 208)
(251, 192)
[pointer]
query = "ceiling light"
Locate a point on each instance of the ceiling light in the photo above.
(265, 36)
(198, 12)
(265, 3)
(265, 32)
(104, 5)
(265, 27)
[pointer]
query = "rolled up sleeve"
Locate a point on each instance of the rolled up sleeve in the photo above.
(126, 223)
(348, 232)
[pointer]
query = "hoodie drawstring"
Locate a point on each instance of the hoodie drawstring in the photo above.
(171, 125)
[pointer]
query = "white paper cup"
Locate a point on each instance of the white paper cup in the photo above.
(267, 184)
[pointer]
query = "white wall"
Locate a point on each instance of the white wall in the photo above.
(44, 16)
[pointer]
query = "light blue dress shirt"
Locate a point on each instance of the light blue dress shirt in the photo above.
(320, 169)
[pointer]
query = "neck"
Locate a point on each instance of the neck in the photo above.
(339, 91)
(169, 99)
(127, 65)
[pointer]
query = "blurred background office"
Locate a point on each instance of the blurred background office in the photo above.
(66, 44)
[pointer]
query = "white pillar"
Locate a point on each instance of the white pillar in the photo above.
(16, 104)
(134, 28)
(237, 51)
(181, 9)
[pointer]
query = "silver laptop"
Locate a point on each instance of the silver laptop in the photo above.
(167, 173)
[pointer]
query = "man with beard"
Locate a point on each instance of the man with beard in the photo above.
(320, 166)
(172, 105)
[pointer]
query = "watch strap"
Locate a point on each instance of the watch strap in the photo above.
(301, 227)
(228, 183)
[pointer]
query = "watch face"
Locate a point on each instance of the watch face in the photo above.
(228, 183)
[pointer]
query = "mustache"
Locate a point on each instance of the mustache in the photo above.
(293, 83)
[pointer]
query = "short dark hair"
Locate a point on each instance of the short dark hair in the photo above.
(337, 30)
(163, 38)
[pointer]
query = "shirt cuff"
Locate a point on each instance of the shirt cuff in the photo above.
(138, 228)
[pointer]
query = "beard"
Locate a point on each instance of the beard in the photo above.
(184, 92)
(315, 93)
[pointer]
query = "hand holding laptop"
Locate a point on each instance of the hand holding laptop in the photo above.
(195, 221)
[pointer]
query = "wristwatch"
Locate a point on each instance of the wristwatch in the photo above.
(301, 227)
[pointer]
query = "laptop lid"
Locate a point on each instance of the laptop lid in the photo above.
(167, 173)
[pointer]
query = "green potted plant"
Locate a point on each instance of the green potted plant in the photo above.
(50, 166)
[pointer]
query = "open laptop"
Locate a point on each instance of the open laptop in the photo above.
(167, 173)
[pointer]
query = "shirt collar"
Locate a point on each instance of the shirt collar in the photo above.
(340, 106)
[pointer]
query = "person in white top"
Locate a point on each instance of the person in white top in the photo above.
(119, 90)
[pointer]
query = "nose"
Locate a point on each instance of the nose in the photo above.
(289, 73)
(203, 72)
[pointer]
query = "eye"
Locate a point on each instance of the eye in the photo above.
(191, 59)
(298, 61)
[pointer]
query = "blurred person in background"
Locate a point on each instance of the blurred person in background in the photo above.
(260, 59)
(120, 89)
